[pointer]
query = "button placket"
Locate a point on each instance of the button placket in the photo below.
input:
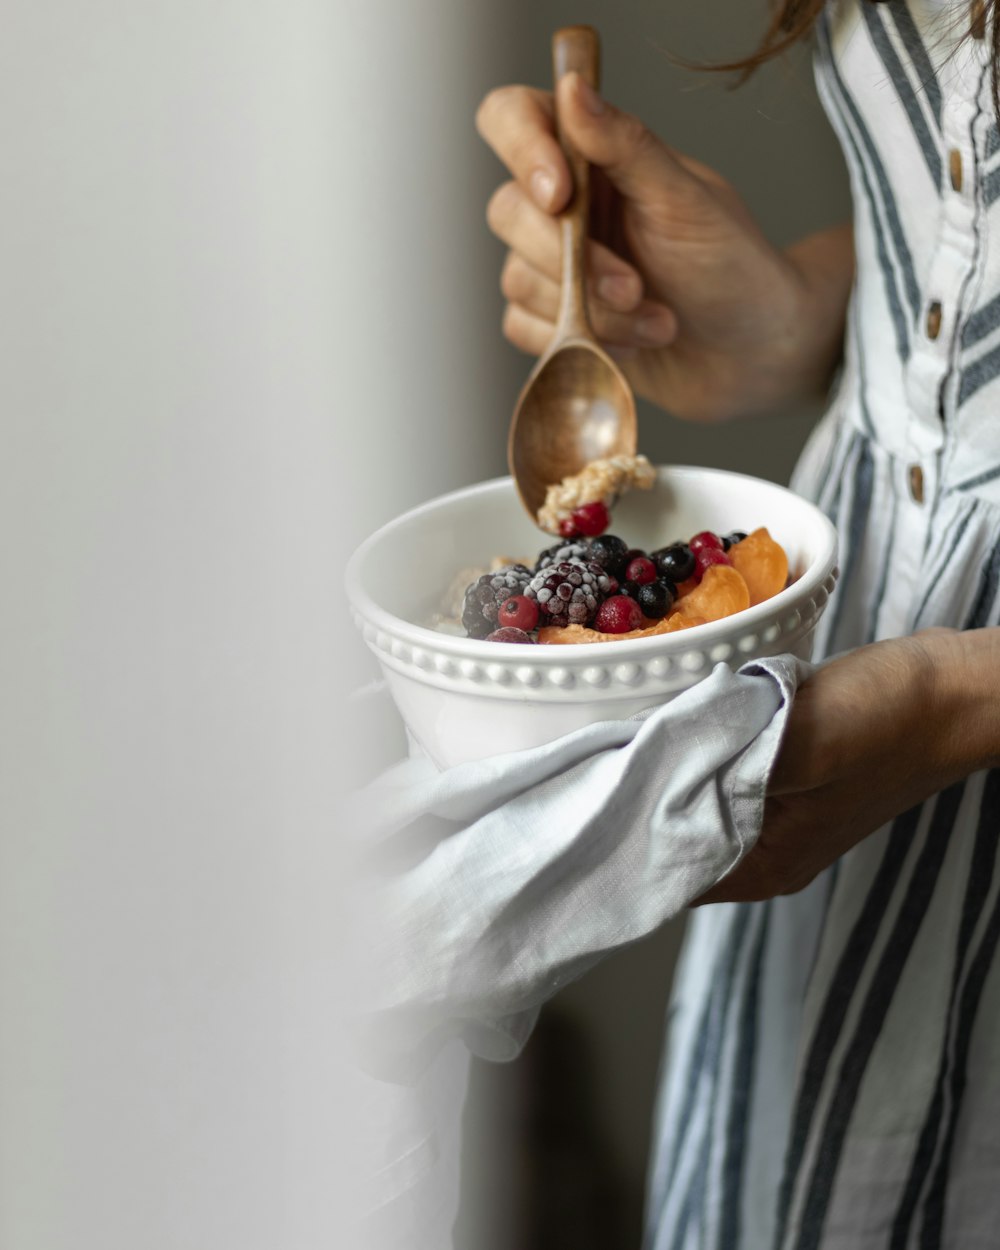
(952, 261)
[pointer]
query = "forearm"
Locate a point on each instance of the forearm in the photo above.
(965, 698)
(824, 263)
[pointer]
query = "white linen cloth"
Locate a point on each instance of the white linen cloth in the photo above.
(486, 888)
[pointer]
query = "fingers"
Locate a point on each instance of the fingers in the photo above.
(637, 163)
(534, 235)
(645, 324)
(518, 124)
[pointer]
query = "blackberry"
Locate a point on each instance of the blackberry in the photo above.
(570, 592)
(562, 551)
(484, 597)
(609, 552)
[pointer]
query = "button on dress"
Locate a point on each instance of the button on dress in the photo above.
(833, 1080)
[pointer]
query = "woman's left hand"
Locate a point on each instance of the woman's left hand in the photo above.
(870, 735)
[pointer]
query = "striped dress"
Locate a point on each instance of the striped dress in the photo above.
(834, 1057)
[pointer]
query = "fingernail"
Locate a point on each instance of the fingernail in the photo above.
(654, 331)
(592, 102)
(620, 290)
(543, 187)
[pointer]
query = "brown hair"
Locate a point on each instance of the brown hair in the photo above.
(793, 20)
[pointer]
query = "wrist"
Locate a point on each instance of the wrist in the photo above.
(823, 265)
(965, 697)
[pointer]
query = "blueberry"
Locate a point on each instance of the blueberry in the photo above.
(631, 589)
(675, 562)
(656, 599)
(609, 552)
(730, 540)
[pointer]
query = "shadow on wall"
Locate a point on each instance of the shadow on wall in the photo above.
(556, 1143)
(563, 1186)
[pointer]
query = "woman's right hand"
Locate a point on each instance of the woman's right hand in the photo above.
(708, 319)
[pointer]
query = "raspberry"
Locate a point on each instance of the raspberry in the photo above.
(641, 570)
(509, 634)
(484, 597)
(706, 557)
(675, 562)
(567, 527)
(618, 615)
(705, 539)
(560, 552)
(519, 612)
(591, 519)
(568, 593)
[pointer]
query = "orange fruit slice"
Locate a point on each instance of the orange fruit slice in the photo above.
(721, 592)
(762, 564)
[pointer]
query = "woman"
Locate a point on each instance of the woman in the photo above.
(833, 1075)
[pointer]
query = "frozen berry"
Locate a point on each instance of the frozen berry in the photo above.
(634, 553)
(484, 597)
(609, 552)
(630, 588)
(508, 633)
(705, 539)
(706, 557)
(567, 527)
(562, 551)
(730, 540)
(568, 593)
(656, 599)
(675, 562)
(519, 612)
(641, 570)
(591, 519)
(618, 615)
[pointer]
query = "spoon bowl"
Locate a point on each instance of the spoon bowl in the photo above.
(577, 405)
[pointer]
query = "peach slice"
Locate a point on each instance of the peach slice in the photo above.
(762, 563)
(721, 592)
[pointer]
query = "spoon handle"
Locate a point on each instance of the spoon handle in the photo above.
(575, 48)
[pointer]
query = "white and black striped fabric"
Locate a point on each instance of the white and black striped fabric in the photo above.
(833, 1080)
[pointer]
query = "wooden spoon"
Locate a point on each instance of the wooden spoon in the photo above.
(576, 405)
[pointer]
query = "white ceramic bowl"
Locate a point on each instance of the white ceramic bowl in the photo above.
(464, 699)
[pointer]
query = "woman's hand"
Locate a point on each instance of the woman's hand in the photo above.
(708, 319)
(869, 736)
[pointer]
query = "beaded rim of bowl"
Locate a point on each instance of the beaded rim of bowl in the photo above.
(664, 662)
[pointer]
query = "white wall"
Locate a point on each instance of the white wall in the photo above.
(215, 375)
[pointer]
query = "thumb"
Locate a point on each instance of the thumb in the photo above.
(637, 162)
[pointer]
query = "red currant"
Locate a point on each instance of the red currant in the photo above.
(618, 615)
(518, 612)
(705, 557)
(705, 539)
(591, 519)
(641, 570)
